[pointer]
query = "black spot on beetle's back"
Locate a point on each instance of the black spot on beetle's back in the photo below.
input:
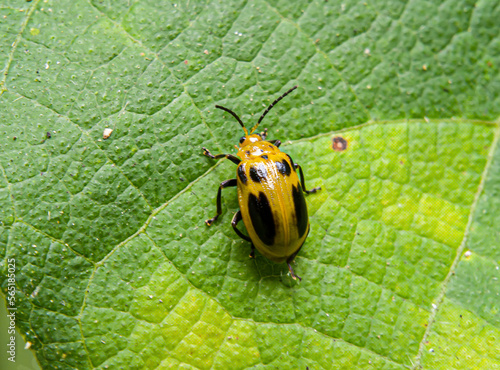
(283, 167)
(241, 174)
(262, 218)
(258, 173)
(253, 175)
(280, 167)
(301, 216)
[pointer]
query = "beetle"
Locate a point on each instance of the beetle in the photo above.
(270, 195)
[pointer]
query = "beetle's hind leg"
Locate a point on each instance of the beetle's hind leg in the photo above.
(302, 182)
(223, 184)
(294, 276)
(289, 262)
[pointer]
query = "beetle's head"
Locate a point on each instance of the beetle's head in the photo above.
(249, 138)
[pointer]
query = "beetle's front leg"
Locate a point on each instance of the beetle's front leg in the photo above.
(263, 134)
(223, 184)
(231, 157)
(276, 143)
(302, 182)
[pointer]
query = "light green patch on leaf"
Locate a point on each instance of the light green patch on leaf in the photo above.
(466, 333)
(104, 109)
(460, 339)
(475, 286)
(484, 237)
(340, 297)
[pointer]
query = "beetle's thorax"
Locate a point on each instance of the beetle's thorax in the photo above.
(253, 146)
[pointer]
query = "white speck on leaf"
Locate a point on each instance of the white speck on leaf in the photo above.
(106, 133)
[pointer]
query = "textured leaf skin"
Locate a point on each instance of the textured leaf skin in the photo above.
(114, 265)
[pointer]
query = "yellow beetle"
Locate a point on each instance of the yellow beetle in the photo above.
(270, 196)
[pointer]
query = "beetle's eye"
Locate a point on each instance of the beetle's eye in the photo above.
(242, 139)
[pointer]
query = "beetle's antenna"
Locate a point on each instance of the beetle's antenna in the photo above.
(272, 105)
(235, 116)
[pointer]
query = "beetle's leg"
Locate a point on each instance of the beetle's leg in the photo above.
(302, 182)
(223, 184)
(294, 276)
(276, 143)
(231, 157)
(289, 263)
(237, 218)
(252, 252)
(263, 134)
(290, 260)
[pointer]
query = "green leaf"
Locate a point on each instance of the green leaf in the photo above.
(104, 188)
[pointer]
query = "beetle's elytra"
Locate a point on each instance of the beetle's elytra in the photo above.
(270, 195)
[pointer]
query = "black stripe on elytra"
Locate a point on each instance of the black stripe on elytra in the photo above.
(262, 218)
(283, 167)
(291, 161)
(241, 174)
(300, 209)
(258, 173)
